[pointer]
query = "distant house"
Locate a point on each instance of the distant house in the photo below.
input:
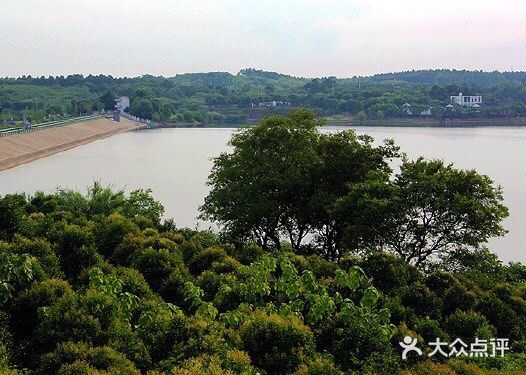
(273, 103)
(407, 109)
(417, 109)
(467, 100)
(122, 103)
(427, 112)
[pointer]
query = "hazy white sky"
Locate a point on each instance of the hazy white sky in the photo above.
(304, 38)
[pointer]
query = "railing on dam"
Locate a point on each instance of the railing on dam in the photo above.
(47, 125)
(148, 124)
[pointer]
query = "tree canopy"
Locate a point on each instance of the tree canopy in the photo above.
(286, 180)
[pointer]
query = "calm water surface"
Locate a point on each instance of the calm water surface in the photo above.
(175, 163)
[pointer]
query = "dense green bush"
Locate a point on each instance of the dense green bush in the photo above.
(468, 326)
(70, 357)
(206, 258)
(388, 272)
(97, 285)
(277, 344)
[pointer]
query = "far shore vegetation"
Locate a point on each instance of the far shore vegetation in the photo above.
(418, 98)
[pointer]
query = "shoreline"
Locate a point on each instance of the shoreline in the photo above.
(19, 149)
(391, 122)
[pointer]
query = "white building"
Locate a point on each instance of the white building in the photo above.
(467, 100)
(426, 112)
(122, 103)
(274, 103)
(406, 108)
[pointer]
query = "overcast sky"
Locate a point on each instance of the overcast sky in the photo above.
(303, 38)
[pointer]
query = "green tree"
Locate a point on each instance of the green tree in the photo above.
(142, 108)
(262, 188)
(12, 209)
(430, 211)
(108, 100)
(284, 177)
(347, 160)
(360, 118)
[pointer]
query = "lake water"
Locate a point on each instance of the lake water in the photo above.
(175, 163)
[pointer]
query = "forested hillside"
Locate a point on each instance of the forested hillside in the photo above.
(452, 77)
(223, 98)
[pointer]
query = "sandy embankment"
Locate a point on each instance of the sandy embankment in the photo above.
(23, 148)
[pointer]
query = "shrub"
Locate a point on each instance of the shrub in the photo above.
(501, 316)
(79, 368)
(353, 351)
(157, 265)
(153, 326)
(158, 242)
(515, 272)
(195, 335)
(320, 366)
(381, 364)
(12, 207)
(238, 361)
(275, 343)
(140, 203)
(133, 282)
(388, 272)
(204, 259)
(25, 311)
(440, 281)
(458, 297)
(4, 363)
(430, 329)
(86, 318)
(103, 358)
(135, 305)
(422, 300)
(399, 313)
(110, 232)
(465, 368)
(189, 249)
(402, 331)
(40, 249)
(227, 265)
(172, 288)
(205, 238)
(246, 254)
(320, 267)
(468, 325)
(204, 364)
(210, 282)
(518, 346)
(77, 250)
(129, 247)
(429, 368)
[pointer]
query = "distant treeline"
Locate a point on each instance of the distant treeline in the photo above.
(223, 98)
(452, 77)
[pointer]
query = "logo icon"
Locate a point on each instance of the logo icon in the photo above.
(409, 345)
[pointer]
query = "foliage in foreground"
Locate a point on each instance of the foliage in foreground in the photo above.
(99, 285)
